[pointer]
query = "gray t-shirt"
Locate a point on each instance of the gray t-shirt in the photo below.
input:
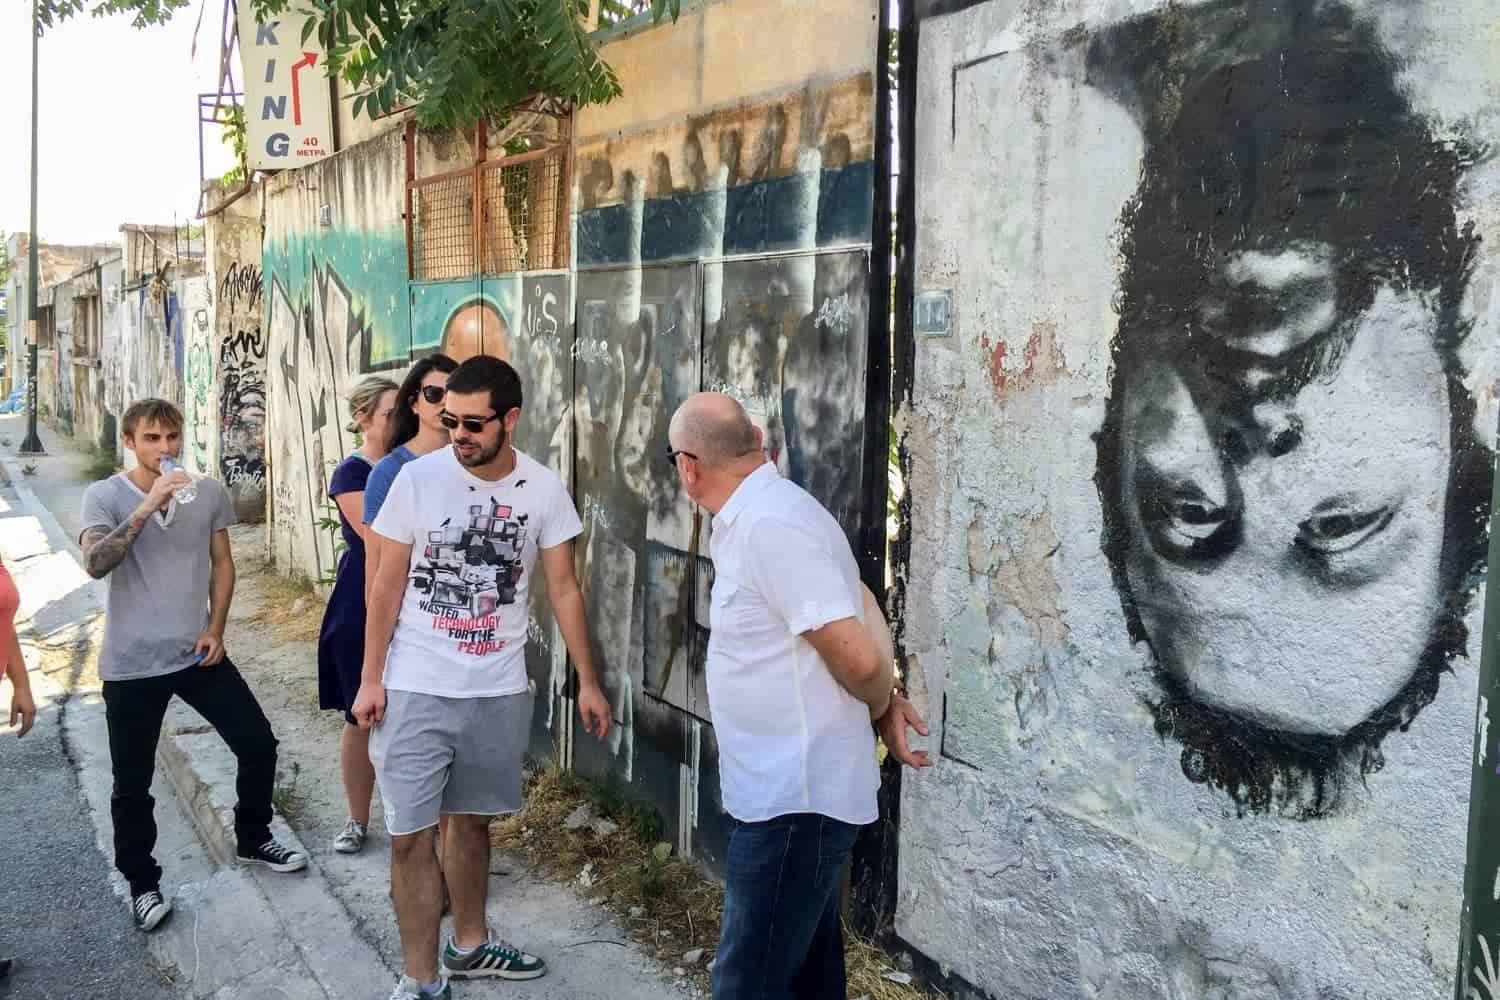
(158, 595)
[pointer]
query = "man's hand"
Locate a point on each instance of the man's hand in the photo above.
(369, 705)
(22, 710)
(210, 649)
(893, 725)
(163, 490)
(594, 709)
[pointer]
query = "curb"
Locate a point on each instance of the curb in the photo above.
(313, 921)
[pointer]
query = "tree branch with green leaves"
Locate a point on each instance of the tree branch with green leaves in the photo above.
(454, 62)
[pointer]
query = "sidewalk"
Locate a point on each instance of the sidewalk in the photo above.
(330, 933)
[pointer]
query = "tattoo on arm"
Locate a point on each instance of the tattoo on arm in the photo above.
(104, 550)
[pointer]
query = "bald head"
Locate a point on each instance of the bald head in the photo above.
(715, 428)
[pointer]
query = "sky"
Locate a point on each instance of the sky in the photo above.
(118, 122)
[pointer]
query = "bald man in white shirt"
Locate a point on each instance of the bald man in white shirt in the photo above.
(799, 663)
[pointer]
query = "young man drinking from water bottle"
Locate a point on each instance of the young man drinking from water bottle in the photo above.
(165, 552)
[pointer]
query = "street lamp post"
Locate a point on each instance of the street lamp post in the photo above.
(33, 443)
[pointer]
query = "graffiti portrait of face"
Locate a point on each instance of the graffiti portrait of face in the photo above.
(1284, 554)
(476, 328)
(1292, 488)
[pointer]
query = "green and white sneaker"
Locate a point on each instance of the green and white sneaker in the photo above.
(408, 988)
(496, 958)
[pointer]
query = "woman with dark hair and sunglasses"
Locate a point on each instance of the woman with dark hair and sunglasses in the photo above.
(415, 430)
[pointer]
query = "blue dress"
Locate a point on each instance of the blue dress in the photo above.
(341, 642)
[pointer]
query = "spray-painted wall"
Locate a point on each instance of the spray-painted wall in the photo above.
(1204, 395)
(335, 306)
(721, 240)
(150, 358)
(200, 394)
(725, 215)
(194, 317)
(237, 354)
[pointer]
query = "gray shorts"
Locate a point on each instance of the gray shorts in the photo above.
(437, 755)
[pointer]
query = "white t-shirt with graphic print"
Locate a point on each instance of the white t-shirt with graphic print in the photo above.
(461, 632)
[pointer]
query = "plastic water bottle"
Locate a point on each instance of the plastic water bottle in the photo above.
(188, 493)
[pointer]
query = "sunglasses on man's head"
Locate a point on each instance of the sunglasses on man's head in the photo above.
(471, 424)
(434, 393)
(672, 454)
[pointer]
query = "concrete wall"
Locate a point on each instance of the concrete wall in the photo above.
(724, 216)
(192, 323)
(721, 239)
(55, 262)
(72, 376)
(236, 355)
(335, 306)
(1200, 476)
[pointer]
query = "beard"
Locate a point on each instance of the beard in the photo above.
(483, 456)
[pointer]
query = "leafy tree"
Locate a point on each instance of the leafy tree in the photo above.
(453, 61)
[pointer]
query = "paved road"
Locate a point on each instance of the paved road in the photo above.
(58, 914)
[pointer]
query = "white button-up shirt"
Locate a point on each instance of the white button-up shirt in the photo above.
(791, 739)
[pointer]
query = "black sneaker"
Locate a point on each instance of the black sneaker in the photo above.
(274, 856)
(150, 909)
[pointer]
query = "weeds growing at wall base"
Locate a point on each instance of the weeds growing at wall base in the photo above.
(664, 902)
(291, 606)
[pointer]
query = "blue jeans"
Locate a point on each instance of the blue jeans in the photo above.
(781, 936)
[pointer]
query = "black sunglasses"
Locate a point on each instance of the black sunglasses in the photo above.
(672, 454)
(471, 424)
(434, 393)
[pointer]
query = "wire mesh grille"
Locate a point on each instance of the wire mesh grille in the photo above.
(524, 215)
(443, 228)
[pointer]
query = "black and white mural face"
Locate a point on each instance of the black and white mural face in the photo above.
(1200, 484)
(1288, 466)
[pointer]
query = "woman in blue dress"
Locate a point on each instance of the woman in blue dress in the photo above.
(341, 642)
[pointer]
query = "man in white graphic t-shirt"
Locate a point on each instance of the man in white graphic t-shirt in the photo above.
(445, 683)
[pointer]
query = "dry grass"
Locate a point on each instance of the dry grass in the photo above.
(289, 605)
(664, 903)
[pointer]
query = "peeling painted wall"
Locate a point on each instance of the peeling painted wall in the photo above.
(722, 242)
(1200, 478)
(235, 406)
(720, 239)
(334, 307)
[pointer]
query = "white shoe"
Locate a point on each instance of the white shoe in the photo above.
(351, 839)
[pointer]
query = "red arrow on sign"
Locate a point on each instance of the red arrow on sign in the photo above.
(308, 59)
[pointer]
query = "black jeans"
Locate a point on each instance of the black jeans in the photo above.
(781, 937)
(134, 710)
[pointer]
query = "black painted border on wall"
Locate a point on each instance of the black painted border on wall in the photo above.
(877, 853)
(872, 891)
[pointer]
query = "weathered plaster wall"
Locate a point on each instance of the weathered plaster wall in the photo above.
(151, 357)
(194, 318)
(1199, 482)
(62, 402)
(235, 359)
(745, 129)
(335, 306)
(721, 240)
